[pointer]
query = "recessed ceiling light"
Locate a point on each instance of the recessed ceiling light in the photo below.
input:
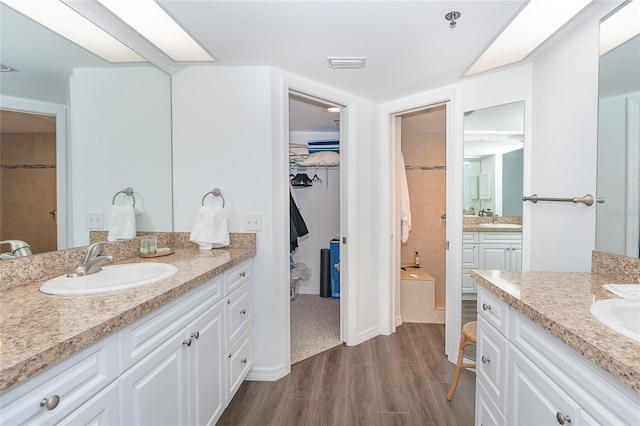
(153, 23)
(619, 27)
(333, 109)
(60, 18)
(347, 63)
(536, 22)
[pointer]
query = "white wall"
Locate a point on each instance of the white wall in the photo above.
(120, 137)
(320, 208)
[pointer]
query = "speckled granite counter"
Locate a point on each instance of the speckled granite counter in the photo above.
(39, 330)
(478, 228)
(559, 303)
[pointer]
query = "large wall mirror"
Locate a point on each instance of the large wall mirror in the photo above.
(493, 160)
(618, 219)
(76, 130)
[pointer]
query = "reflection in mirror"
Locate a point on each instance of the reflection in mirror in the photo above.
(618, 219)
(118, 136)
(493, 160)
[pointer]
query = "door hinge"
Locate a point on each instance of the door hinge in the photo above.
(447, 245)
(344, 240)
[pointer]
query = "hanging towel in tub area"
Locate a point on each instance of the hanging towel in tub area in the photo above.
(122, 223)
(405, 202)
(210, 229)
(297, 227)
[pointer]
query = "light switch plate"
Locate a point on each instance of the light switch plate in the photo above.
(253, 222)
(95, 220)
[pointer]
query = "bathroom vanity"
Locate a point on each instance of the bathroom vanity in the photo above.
(172, 352)
(542, 357)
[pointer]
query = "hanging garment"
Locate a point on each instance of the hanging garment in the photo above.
(297, 227)
(405, 203)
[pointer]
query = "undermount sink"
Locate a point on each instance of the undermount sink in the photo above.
(500, 225)
(111, 278)
(620, 315)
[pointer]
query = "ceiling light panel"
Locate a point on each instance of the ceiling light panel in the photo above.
(536, 22)
(60, 18)
(623, 25)
(153, 23)
(347, 63)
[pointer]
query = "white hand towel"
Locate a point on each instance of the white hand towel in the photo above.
(122, 223)
(210, 228)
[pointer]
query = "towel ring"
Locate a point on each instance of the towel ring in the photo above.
(127, 191)
(216, 193)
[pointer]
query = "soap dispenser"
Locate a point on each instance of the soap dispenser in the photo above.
(416, 260)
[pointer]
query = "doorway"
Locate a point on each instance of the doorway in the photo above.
(421, 146)
(28, 179)
(315, 187)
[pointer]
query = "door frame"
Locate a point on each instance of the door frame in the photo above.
(63, 193)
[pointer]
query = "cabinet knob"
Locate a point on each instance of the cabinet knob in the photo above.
(195, 335)
(243, 360)
(486, 360)
(486, 307)
(243, 312)
(187, 342)
(242, 274)
(50, 403)
(229, 356)
(228, 301)
(562, 418)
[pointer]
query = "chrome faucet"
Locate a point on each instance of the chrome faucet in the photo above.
(17, 248)
(93, 261)
(495, 218)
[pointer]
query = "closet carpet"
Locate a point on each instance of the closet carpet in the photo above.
(315, 326)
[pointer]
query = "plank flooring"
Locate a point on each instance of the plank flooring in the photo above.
(402, 379)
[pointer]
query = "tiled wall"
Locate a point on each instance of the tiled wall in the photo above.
(28, 194)
(425, 157)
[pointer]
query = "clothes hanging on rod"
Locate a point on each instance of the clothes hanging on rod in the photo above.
(297, 227)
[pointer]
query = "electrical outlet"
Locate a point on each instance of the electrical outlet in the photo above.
(253, 222)
(95, 220)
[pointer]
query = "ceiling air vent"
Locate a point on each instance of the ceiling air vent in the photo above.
(353, 63)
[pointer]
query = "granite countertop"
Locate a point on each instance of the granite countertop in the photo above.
(478, 228)
(38, 330)
(559, 303)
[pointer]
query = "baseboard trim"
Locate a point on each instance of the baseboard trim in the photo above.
(263, 374)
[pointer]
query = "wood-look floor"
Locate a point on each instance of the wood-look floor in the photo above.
(401, 379)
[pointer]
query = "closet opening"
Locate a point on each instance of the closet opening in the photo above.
(315, 188)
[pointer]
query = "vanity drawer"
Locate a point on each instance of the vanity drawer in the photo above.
(73, 382)
(469, 237)
(140, 338)
(495, 311)
(238, 313)
(491, 363)
(500, 237)
(239, 362)
(234, 277)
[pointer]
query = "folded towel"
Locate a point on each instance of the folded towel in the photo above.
(626, 291)
(122, 223)
(210, 228)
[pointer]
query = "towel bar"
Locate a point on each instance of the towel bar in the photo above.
(127, 191)
(587, 199)
(216, 193)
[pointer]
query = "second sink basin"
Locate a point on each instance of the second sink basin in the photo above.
(500, 225)
(111, 278)
(621, 315)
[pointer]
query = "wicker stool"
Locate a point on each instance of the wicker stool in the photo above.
(469, 331)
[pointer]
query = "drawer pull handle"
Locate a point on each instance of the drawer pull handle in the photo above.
(195, 335)
(562, 418)
(50, 403)
(243, 360)
(243, 312)
(486, 360)
(187, 342)
(486, 307)
(242, 274)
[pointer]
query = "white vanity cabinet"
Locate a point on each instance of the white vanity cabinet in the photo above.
(501, 250)
(470, 260)
(527, 376)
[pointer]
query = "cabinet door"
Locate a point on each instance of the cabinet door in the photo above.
(468, 285)
(516, 258)
(491, 365)
(100, 410)
(154, 391)
(470, 256)
(487, 414)
(206, 367)
(534, 399)
(495, 256)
